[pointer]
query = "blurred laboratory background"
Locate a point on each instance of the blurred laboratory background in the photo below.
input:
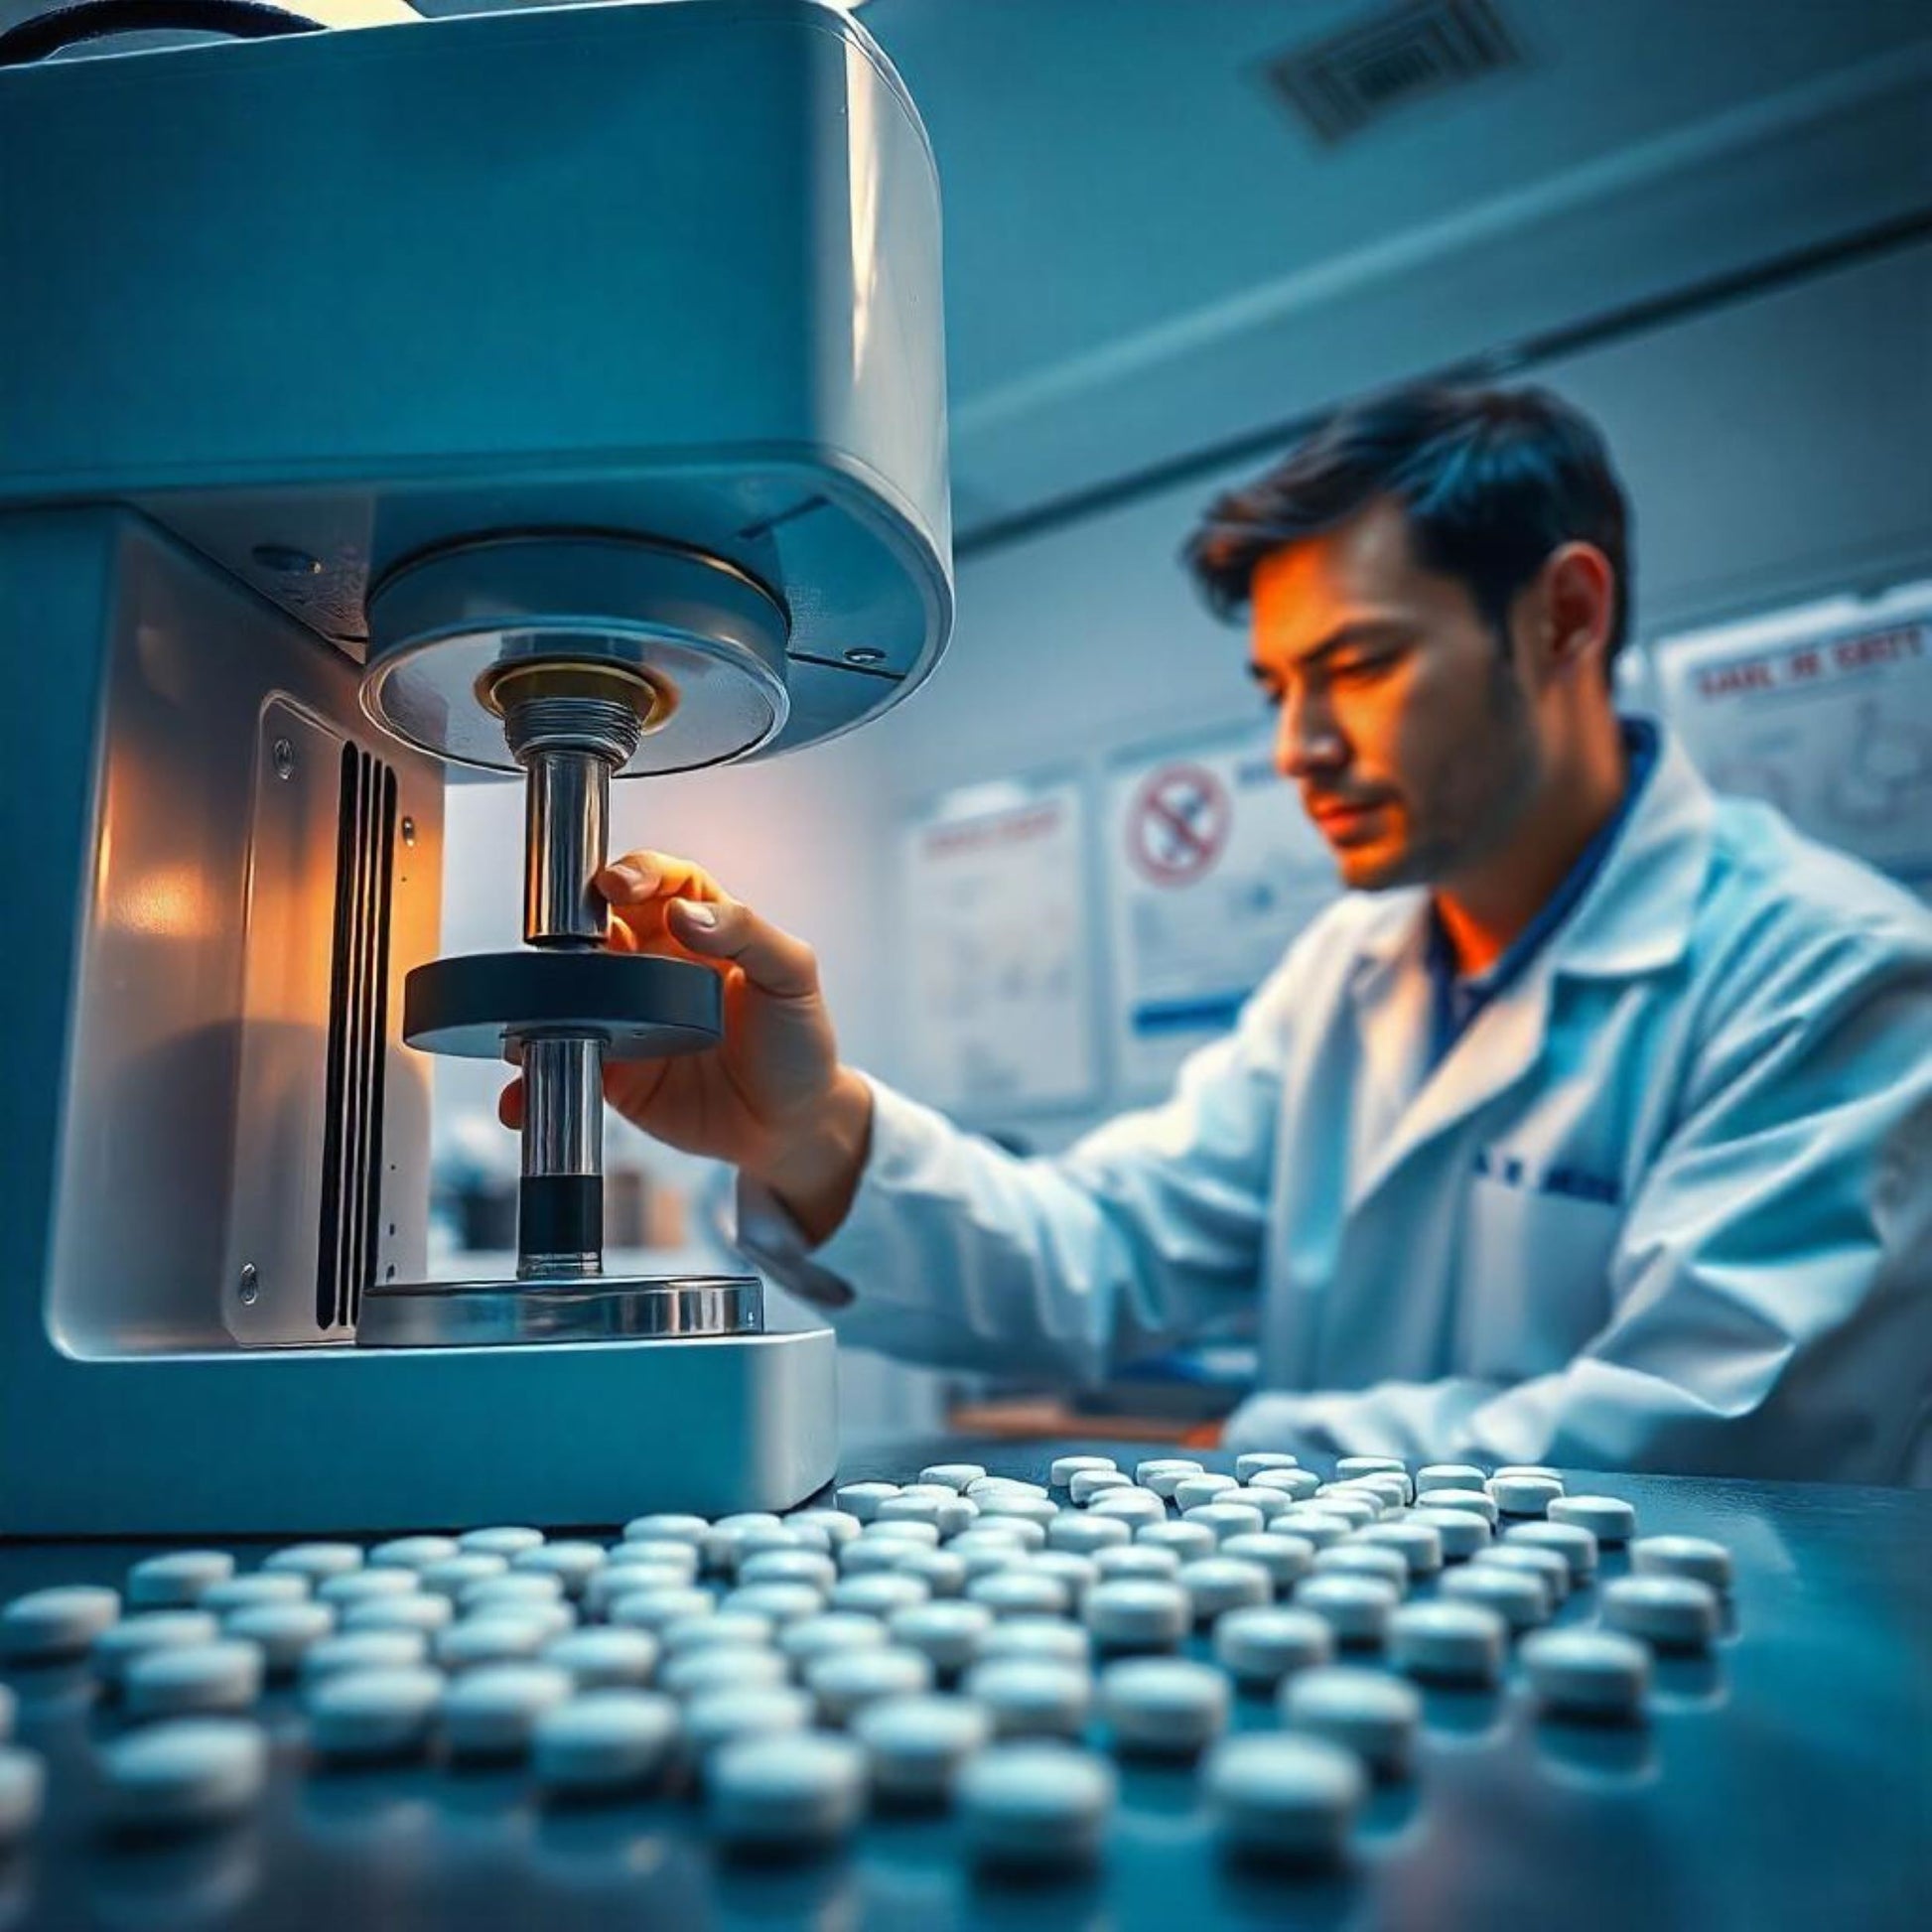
(1174, 230)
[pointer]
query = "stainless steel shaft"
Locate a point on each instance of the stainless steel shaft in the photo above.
(566, 834)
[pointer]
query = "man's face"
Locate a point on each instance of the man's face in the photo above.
(1403, 724)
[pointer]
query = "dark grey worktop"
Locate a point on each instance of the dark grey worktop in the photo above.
(1786, 1781)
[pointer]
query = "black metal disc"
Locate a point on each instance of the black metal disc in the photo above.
(641, 1006)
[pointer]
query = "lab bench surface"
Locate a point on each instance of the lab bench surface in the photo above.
(1783, 1780)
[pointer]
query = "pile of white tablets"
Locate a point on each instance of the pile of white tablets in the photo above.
(968, 1641)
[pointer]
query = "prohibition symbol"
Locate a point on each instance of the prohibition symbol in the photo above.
(1178, 825)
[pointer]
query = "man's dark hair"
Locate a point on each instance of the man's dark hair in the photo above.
(1492, 480)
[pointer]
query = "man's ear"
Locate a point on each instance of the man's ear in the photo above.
(1578, 589)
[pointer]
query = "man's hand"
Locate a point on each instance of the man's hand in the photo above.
(771, 1097)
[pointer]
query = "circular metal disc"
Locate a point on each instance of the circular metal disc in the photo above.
(605, 1307)
(641, 1006)
(705, 634)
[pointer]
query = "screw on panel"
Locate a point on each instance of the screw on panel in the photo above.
(864, 655)
(409, 831)
(287, 561)
(282, 756)
(250, 1285)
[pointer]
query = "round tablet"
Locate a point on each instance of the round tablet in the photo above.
(668, 1527)
(846, 1682)
(1448, 1642)
(1419, 1544)
(368, 1715)
(1548, 1565)
(1010, 1532)
(862, 1499)
(178, 1580)
(264, 1586)
(1298, 1485)
(133, 1636)
(1696, 1557)
(493, 1711)
(1576, 1545)
(1270, 1502)
(620, 1578)
(1076, 1573)
(315, 1561)
(455, 1576)
(1461, 1533)
(1066, 1467)
(869, 1555)
(1033, 1806)
(1021, 1590)
(721, 1716)
(504, 1540)
(1130, 1505)
(1164, 1705)
(1449, 1475)
(785, 1791)
(283, 1632)
(1321, 1527)
(1189, 1542)
(831, 1631)
(1039, 1511)
(612, 1739)
(362, 1586)
(572, 1563)
(1134, 1613)
(952, 1475)
(1672, 1613)
(879, 1594)
(1607, 1518)
(699, 1671)
(62, 1621)
(1135, 1560)
(362, 1650)
(721, 1629)
(1251, 1463)
(901, 1529)
(810, 1566)
(23, 1793)
(1224, 1520)
(1085, 1484)
(916, 1746)
(506, 1592)
(1281, 1797)
(1356, 1608)
(1519, 1598)
(948, 1514)
(652, 1607)
(834, 1525)
(223, 1678)
(1541, 1469)
(1261, 1646)
(1218, 1583)
(1478, 1502)
(1356, 1507)
(1358, 1559)
(1586, 1673)
(948, 1633)
(1524, 1495)
(1192, 1492)
(496, 1637)
(1162, 1474)
(942, 1572)
(988, 1487)
(187, 1772)
(1085, 1535)
(1286, 1558)
(1032, 1697)
(413, 1552)
(422, 1612)
(1367, 1712)
(1368, 1465)
(603, 1660)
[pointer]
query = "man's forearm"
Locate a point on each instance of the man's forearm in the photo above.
(816, 1172)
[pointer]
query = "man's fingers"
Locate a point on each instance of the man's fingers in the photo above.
(509, 1103)
(640, 877)
(772, 961)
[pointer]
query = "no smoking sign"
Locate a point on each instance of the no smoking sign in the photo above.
(1178, 825)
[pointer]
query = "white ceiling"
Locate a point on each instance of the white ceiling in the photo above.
(1148, 254)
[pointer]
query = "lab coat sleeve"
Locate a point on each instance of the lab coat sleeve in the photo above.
(1771, 1288)
(1147, 1231)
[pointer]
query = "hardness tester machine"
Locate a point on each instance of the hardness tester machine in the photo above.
(556, 394)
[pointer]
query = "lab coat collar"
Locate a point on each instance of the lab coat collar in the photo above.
(1636, 918)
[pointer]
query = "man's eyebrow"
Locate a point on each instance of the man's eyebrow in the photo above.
(1363, 631)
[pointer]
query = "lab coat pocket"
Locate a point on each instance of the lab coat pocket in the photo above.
(1533, 1285)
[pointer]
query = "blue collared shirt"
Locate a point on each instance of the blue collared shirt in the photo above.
(1456, 1001)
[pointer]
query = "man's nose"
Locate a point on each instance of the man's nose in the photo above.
(1306, 743)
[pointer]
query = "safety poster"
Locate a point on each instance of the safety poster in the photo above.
(1212, 870)
(996, 898)
(1825, 711)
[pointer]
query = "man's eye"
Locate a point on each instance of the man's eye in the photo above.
(1361, 670)
(1271, 696)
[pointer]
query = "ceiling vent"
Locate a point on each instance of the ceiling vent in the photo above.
(1410, 52)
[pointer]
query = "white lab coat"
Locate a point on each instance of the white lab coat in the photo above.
(1666, 1204)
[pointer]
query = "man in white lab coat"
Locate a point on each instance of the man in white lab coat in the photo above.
(1594, 1126)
